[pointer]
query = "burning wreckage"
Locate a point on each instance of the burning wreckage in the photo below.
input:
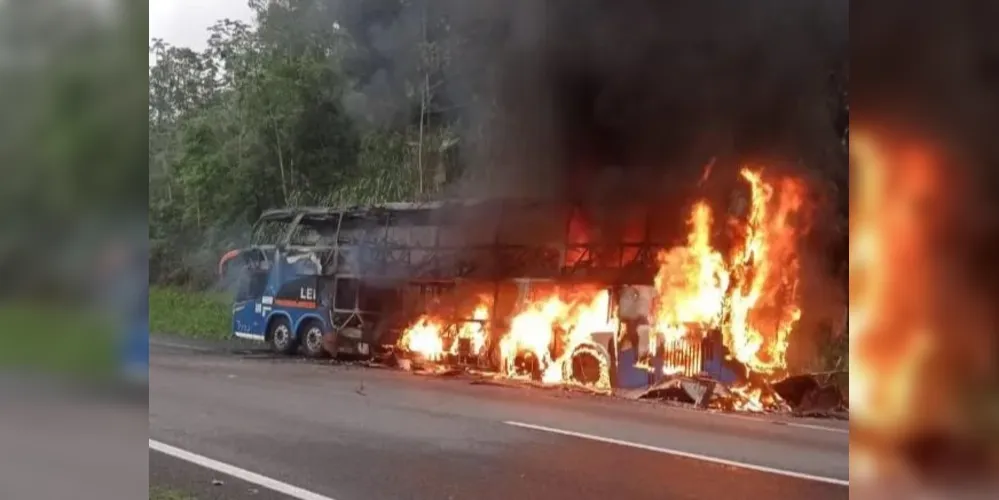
(524, 291)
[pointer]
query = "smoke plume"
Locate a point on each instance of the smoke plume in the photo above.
(632, 97)
(583, 99)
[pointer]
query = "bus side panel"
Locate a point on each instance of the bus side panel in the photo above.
(247, 320)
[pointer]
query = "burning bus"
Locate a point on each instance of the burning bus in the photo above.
(526, 289)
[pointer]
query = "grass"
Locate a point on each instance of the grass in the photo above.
(168, 494)
(61, 340)
(203, 315)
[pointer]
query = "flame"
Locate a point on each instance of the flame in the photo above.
(765, 269)
(428, 335)
(424, 337)
(533, 330)
(752, 295)
(890, 336)
(750, 398)
(475, 330)
(867, 285)
(692, 280)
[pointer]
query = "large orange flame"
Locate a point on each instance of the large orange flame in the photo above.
(428, 336)
(884, 242)
(425, 337)
(890, 334)
(692, 281)
(533, 330)
(751, 295)
(765, 271)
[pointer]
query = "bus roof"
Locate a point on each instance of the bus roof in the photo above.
(402, 206)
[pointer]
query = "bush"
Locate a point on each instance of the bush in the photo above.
(57, 340)
(189, 313)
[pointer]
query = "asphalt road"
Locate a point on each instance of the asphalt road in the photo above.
(351, 433)
(71, 439)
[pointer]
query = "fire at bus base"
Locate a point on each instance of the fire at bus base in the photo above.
(743, 301)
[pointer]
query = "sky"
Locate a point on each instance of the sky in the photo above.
(185, 22)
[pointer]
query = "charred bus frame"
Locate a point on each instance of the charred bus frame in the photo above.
(405, 255)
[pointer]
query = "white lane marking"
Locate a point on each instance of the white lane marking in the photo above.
(816, 427)
(232, 470)
(178, 346)
(704, 458)
(777, 422)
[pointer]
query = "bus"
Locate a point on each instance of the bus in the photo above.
(346, 282)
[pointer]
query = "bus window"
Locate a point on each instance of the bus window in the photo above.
(305, 236)
(269, 232)
(347, 290)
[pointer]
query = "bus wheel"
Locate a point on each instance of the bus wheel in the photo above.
(311, 334)
(282, 340)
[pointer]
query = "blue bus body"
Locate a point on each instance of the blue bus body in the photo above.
(293, 293)
(310, 279)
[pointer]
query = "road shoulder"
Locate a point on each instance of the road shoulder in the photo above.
(184, 480)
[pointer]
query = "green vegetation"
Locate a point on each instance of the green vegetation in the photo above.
(73, 153)
(56, 340)
(191, 313)
(156, 493)
(303, 107)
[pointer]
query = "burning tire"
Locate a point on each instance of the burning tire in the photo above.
(589, 365)
(526, 364)
(585, 368)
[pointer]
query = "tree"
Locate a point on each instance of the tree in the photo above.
(254, 121)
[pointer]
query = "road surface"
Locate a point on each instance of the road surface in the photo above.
(228, 423)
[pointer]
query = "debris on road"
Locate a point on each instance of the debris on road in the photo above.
(696, 391)
(813, 394)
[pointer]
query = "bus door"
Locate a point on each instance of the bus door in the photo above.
(249, 309)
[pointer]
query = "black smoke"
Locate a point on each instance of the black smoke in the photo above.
(572, 99)
(591, 101)
(634, 97)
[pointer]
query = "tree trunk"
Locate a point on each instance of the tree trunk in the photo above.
(419, 151)
(423, 102)
(277, 141)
